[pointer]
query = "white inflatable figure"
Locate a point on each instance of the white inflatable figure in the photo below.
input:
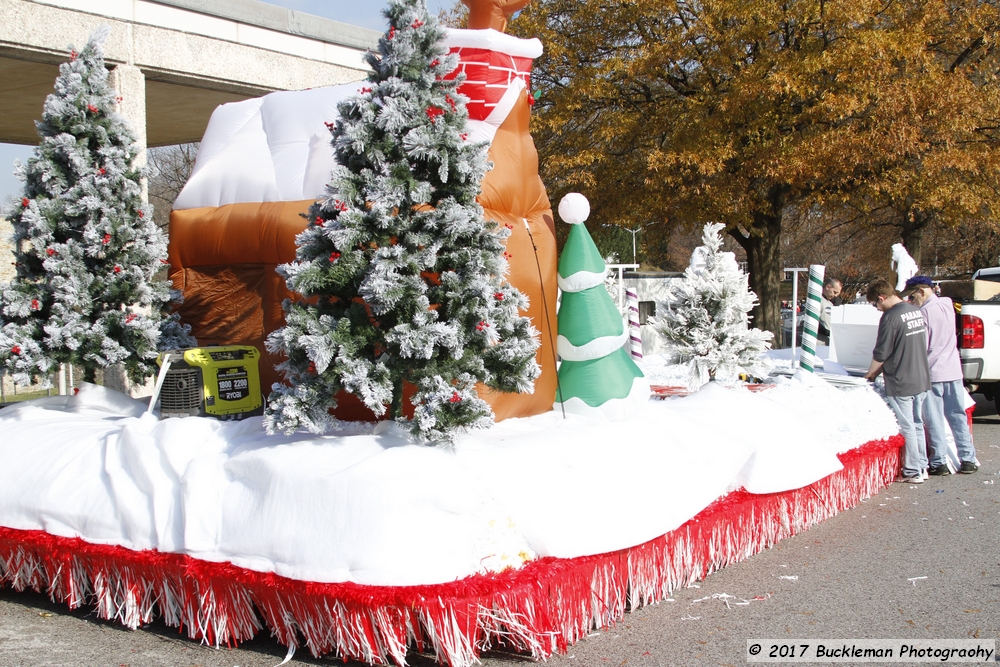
(729, 258)
(903, 265)
(698, 259)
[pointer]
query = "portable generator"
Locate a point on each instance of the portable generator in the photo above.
(221, 382)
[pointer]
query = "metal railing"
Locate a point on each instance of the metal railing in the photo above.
(31, 389)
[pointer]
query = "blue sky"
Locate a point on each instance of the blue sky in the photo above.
(366, 13)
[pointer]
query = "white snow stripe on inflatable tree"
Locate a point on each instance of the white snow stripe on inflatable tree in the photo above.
(582, 280)
(595, 349)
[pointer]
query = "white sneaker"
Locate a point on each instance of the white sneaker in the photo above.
(923, 475)
(909, 480)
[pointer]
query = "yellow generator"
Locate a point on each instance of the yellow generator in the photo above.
(221, 382)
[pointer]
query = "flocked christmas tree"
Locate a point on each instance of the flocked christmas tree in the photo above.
(704, 320)
(597, 375)
(86, 246)
(403, 279)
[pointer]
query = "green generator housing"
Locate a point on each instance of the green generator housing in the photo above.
(221, 382)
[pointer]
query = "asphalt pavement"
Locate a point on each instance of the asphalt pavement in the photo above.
(915, 562)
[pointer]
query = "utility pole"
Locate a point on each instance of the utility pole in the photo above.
(795, 300)
(633, 232)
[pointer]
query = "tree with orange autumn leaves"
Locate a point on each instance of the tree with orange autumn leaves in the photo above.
(742, 111)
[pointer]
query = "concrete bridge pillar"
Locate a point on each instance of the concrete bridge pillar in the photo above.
(130, 83)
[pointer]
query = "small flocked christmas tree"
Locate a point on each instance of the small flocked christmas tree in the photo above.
(86, 245)
(402, 277)
(704, 320)
(597, 374)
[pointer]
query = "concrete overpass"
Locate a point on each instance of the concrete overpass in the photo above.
(173, 61)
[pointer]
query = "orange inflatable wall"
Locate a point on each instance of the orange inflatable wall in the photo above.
(223, 260)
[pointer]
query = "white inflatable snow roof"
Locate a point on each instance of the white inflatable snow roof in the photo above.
(271, 148)
(277, 147)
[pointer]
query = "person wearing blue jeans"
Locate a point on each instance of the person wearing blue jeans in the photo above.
(909, 412)
(900, 355)
(945, 406)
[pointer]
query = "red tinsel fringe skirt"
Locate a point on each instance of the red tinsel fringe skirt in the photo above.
(542, 608)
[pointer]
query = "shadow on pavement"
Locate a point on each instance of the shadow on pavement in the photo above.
(985, 412)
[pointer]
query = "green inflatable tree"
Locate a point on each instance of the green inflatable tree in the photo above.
(597, 375)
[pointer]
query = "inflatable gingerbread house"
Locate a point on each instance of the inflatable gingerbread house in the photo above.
(263, 161)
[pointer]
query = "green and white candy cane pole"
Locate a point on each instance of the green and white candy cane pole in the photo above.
(807, 360)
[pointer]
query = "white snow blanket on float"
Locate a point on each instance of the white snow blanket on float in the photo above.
(373, 508)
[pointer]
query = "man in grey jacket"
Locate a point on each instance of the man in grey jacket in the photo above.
(945, 405)
(832, 287)
(900, 354)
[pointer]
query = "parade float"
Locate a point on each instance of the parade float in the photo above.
(443, 530)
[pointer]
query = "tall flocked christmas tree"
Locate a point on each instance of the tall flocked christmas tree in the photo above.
(704, 319)
(86, 245)
(403, 279)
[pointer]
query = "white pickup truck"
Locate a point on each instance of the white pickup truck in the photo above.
(979, 331)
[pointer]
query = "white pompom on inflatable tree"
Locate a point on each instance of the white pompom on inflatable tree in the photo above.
(704, 320)
(597, 376)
